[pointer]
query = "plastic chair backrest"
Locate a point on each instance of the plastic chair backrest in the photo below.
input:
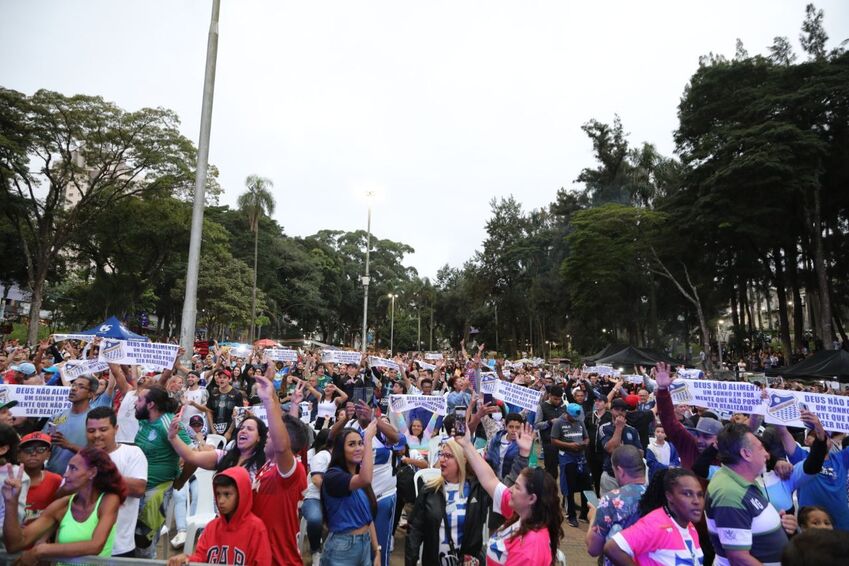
(425, 474)
(216, 441)
(206, 496)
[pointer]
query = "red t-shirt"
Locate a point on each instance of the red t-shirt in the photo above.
(276, 498)
(41, 495)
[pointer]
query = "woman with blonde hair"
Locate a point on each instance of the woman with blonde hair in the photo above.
(448, 517)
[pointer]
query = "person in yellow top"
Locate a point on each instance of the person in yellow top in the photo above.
(84, 522)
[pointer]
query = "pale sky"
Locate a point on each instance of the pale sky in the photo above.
(441, 105)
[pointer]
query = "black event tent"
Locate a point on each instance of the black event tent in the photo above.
(826, 364)
(608, 350)
(632, 356)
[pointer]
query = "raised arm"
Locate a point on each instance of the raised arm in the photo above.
(364, 476)
(486, 476)
(277, 432)
(120, 378)
(205, 460)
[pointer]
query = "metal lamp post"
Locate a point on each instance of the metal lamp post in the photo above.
(365, 278)
(392, 297)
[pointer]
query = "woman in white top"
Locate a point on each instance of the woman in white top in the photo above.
(311, 507)
(329, 402)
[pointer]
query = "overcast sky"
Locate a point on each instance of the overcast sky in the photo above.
(440, 105)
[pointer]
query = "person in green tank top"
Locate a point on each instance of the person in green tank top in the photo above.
(84, 522)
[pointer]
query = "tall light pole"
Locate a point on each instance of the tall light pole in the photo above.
(365, 278)
(187, 329)
(392, 297)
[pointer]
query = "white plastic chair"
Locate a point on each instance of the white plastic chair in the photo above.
(205, 510)
(216, 441)
(425, 474)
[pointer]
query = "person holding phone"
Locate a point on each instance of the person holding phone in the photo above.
(534, 520)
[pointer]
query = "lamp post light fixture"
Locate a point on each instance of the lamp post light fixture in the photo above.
(392, 297)
(365, 279)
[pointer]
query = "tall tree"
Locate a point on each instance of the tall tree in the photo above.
(65, 159)
(255, 203)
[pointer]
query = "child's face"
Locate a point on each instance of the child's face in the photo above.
(226, 498)
(819, 520)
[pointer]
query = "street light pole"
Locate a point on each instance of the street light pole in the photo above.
(392, 325)
(365, 278)
(187, 328)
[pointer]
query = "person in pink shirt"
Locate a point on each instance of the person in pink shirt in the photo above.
(534, 520)
(664, 535)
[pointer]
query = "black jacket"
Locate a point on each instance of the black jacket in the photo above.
(427, 516)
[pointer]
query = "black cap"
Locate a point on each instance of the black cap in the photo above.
(619, 403)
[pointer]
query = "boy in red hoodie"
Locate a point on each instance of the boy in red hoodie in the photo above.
(236, 536)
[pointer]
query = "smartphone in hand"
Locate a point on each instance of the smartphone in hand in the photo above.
(460, 420)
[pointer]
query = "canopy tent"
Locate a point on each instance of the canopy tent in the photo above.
(608, 350)
(660, 356)
(826, 364)
(110, 328)
(633, 356)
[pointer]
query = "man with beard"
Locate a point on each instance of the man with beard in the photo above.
(154, 411)
(67, 429)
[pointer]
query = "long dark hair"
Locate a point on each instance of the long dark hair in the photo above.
(661, 484)
(257, 459)
(337, 460)
(546, 512)
(108, 479)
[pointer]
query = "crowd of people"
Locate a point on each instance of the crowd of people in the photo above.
(311, 464)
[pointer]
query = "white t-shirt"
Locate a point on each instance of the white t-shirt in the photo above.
(132, 463)
(199, 396)
(128, 424)
(317, 465)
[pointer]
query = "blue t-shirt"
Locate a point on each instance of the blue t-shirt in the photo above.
(72, 427)
(346, 510)
(828, 489)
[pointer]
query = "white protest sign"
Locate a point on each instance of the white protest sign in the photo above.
(734, 396)
(258, 411)
(488, 381)
(602, 370)
(782, 408)
(160, 356)
(240, 350)
(375, 361)
(35, 400)
(63, 337)
(72, 369)
(690, 373)
(631, 378)
(281, 355)
(433, 403)
(340, 357)
(518, 395)
(425, 365)
(433, 356)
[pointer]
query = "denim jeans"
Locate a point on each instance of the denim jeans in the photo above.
(190, 491)
(383, 525)
(347, 550)
(312, 513)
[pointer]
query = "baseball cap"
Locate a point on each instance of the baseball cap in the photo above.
(37, 437)
(619, 403)
(25, 368)
(196, 420)
(51, 369)
(574, 410)
(707, 425)
(8, 404)
(632, 400)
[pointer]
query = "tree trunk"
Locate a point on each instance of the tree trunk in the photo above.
(798, 311)
(253, 289)
(37, 290)
(781, 293)
(822, 275)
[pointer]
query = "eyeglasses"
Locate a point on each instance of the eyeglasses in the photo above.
(78, 386)
(35, 449)
(446, 456)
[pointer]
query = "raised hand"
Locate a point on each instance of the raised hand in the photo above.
(298, 393)
(662, 375)
(174, 427)
(264, 388)
(12, 485)
(525, 439)
(812, 421)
